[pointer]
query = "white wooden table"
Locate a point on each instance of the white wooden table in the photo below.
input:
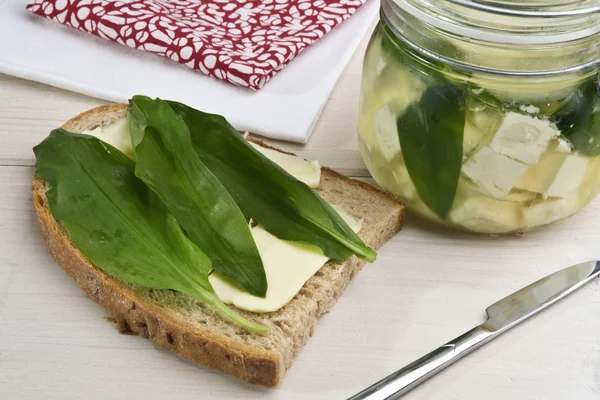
(427, 286)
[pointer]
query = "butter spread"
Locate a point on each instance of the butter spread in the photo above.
(288, 265)
(115, 134)
(308, 172)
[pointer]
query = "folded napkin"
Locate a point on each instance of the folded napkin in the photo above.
(286, 108)
(242, 42)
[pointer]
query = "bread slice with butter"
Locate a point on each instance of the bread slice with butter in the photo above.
(196, 331)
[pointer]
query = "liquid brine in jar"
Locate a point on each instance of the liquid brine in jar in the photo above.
(479, 121)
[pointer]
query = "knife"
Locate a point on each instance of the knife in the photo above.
(501, 316)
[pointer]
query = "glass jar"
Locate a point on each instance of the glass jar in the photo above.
(484, 115)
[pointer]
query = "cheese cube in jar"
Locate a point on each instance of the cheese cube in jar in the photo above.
(486, 129)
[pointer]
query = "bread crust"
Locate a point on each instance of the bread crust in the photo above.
(141, 316)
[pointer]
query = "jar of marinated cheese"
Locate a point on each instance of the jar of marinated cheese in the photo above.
(484, 115)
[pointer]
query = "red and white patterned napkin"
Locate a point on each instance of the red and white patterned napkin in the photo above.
(243, 42)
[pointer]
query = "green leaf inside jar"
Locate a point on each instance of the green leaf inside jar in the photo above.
(431, 137)
(586, 139)
(577, 109)
(579, 120)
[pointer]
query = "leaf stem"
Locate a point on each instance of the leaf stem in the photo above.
(243, 322)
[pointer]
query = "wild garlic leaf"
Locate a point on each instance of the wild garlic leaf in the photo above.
(576, 110)
(118, 223)
(586, 137)
(578, 119)
(167, 163)
(286, 207)
(431, 138)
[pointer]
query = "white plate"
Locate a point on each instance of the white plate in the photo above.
(286, 108)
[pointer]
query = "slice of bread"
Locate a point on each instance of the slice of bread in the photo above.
(197, 332)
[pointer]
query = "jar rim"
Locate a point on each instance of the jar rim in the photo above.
(516, 9)
(443, 17)
(485, 70)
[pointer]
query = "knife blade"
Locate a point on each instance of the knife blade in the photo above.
(502, 315)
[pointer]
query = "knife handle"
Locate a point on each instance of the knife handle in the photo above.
(403, 380)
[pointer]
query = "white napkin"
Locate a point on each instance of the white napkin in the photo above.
(286, 108)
